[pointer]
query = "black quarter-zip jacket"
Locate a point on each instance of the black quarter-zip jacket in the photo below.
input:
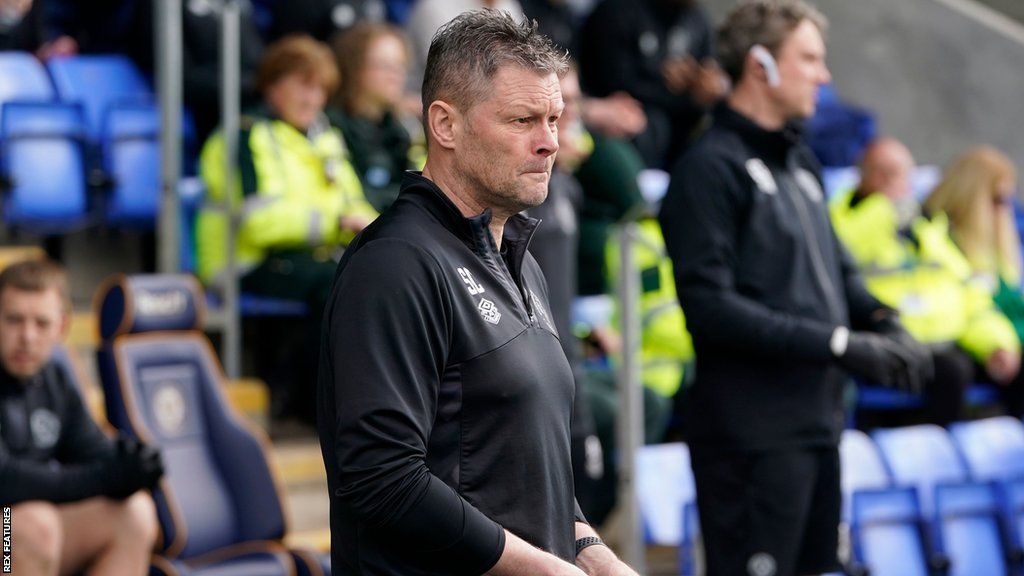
(444, 395)
(764, 282)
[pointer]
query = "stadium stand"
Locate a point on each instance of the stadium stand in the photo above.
(220, 506)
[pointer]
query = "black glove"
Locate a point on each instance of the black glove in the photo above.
(923, 362)
(131, 467)
(881, 359)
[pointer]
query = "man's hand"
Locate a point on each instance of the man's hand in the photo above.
(133, 466)
(353, 223)
(599, 560)
(1003, 366)
(881, 359)
(522, 559)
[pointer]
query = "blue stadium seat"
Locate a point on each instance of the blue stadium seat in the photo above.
(100, 83)
(668, 499)
(861, 467)
(42, 160)
(220, 506)
(886, 532)
(994, 451)
(921, 456)
(131, 152)
(969, 532)
(22, 77)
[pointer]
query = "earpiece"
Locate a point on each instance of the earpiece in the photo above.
(767, 61)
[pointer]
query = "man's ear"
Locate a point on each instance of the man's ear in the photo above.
(443, 122)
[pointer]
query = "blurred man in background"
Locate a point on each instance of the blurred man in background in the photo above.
(774, 305)
(77, 497)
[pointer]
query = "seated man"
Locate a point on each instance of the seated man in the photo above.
(910, 263)
(75, 495)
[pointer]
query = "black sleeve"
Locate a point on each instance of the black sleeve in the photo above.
(24, 480)
(388, 338)
(702, 218)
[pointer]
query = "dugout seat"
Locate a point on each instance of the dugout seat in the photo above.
(220, 505)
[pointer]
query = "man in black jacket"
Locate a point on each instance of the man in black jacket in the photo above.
(75, 497)
(775, 307)
(444, 395)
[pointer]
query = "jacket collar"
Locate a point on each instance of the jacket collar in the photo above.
(474, 230)
(773, 145)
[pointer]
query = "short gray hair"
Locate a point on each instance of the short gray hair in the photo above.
(764, 22)
(467, 52)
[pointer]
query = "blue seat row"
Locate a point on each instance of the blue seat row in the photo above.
(79, 143)
(918, 500)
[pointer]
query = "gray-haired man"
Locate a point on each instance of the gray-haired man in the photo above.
(445, 397)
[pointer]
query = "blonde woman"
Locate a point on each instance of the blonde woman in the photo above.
(976, 194)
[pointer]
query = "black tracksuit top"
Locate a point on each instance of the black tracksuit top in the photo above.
(444, 395)
(764, 282)
(50, 448)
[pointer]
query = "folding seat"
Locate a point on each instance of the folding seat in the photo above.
(886, 533)
(99, 83)
(668, 499)
(994, 451)
(23, 78)
(925, 457)
(969, 532)
(861, 467)
(921, 456)
(220, 506)
(42, 161)
(131, 153)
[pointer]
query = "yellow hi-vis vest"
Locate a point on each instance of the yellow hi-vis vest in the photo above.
(924, 276)
(302, 186)
(665, 344)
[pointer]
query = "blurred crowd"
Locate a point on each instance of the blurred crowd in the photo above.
(331, 122)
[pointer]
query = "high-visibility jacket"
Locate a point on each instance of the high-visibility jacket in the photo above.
(291, 190)
(665, 344)
(922, 273)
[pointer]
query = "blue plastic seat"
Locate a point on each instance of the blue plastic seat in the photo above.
(100, 83)
(43, 161)
(668, 499)
(994, 451)
(23, 78)
(861, 467)
(886, 532)
(921, 456)
(220, 505)
(131, 152)
(969, 532)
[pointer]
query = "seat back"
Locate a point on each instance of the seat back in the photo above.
(921, 456)
(886, 534)
(22, 77)
(993, 448)
(163, 383)
(41, 153)
(99, 83)
(861, 467)
(667, 497)
(968, 529)
(131, 145)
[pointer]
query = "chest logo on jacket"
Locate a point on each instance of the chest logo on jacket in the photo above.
(761, 176)
(45, 428)
(488, 311)
(473, 286)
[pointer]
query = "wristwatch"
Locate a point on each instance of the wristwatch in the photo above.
(587, 542)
